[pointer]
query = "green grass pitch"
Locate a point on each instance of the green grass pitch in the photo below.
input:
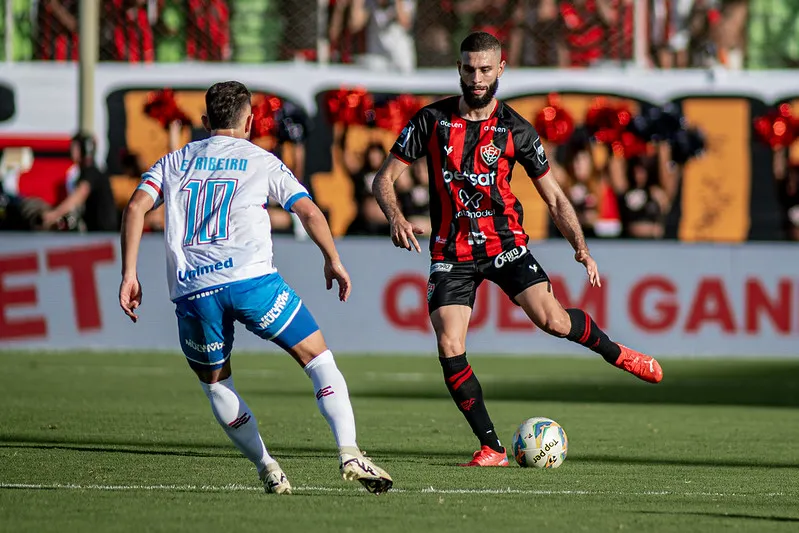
(126, 442)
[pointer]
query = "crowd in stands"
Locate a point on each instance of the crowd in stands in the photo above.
(613, 196)
(406, 34)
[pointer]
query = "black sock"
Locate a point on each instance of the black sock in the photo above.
(585, 331)
(468, 395)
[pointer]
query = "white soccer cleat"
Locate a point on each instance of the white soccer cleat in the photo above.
(355, 466)
(275, 480)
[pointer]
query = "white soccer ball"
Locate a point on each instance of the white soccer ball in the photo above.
(541, 443)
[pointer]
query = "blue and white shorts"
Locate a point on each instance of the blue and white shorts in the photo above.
(266, 305)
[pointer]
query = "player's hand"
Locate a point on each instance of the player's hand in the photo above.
(334, 270)
(582, 256)
(403, 234)
(130, 297)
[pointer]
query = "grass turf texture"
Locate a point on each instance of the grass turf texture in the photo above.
(127, 442)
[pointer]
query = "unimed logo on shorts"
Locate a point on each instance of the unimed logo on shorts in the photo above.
(273, 314)
(204, 348)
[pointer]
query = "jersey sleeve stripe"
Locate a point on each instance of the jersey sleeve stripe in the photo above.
(291, 201)
(400, 157)
(150, 188)
(543, 174)
(149, 176)
(154, 185)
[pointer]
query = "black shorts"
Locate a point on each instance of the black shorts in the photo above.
(456, 283)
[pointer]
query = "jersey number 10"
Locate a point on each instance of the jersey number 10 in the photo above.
(207, 210)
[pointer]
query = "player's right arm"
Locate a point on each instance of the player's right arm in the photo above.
(147, 196)
(132, 226)
(410, 146)
(403, 233)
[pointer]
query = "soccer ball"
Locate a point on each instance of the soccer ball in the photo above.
(540, 442)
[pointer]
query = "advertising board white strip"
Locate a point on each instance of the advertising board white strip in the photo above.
(668, 299)
(46, 93)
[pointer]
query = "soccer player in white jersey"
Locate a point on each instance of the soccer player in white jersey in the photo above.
(219, 266)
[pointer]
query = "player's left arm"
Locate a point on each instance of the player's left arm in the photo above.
(314, 222)
(565, 218)
(531, 154)
(285, 189)
(130, 293)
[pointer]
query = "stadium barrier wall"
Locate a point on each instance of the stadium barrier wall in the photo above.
(671, 299)
(726, 195)
(45, 95)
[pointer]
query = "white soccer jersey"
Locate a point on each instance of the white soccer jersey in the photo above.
(217, 227)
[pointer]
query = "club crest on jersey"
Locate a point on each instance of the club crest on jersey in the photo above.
(490, 153)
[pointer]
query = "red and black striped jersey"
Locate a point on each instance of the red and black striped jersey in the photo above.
(473, 212)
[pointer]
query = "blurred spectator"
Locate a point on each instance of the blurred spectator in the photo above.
(57, 30)
(731, 33)
(582, 182)
(704, 28)
(597, 30)
(208, 30)
(670, 32)
(342, 40)
(773, 34)
(127, 30)
(256, 30)
(619, 46)
(300, 41)
(369, 220)
(17, 214)
(388, 25)
(787, 181)
(540, 43)
(435, 46)
(645, 186)
(500, 18)
(88, 191)
(586, 23)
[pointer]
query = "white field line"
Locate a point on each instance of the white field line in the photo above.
(428, 490)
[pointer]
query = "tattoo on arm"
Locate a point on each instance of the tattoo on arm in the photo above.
(386, 196)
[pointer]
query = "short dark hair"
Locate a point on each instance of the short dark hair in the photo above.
(86, 144)
(224, 103)
(480, 41)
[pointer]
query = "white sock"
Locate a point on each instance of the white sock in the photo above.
(238, 421)
(333, 398)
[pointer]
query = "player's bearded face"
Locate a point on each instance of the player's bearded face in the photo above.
(479, 101)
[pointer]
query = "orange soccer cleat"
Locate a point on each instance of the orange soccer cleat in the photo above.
(641, 366)
(485, 456)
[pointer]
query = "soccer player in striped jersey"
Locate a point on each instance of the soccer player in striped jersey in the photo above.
(220, 270)
(472, 143)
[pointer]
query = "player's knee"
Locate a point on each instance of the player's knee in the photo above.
(449, 345)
